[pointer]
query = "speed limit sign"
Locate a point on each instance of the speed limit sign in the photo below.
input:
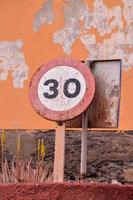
(61, 89)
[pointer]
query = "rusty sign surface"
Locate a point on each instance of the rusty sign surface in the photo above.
(62, 89)
(104, 109)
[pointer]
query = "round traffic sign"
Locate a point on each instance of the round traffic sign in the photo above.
(61, 89)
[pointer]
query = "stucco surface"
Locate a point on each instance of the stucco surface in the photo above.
(32, 33)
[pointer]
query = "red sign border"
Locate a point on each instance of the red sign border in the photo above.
(67, 114)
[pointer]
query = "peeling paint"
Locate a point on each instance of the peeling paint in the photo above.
(98, 18)
(101, 18)
(118, 43)
(73, 12)
(105, 21)
(111, 48)
(44, 16)
(128, 11)
(12, 60)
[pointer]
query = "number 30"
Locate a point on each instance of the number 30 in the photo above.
(54, 88)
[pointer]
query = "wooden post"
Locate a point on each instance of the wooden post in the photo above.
(59, 156)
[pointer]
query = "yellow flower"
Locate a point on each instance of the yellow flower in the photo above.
(3, 137)
(42, 149)
(18, 143)
(39, 149)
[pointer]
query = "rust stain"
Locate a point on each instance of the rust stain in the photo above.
(103, 112)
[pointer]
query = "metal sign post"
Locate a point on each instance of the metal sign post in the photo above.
(104, 109)
(83, 168)
(60, 91)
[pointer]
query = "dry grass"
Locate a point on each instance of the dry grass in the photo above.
(23, 172)
(20, 171)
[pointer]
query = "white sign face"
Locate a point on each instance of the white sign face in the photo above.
(61, 88)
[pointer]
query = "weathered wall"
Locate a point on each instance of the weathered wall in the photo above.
(34, 32)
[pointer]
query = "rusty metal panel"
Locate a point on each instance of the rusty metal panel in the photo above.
(104, 109)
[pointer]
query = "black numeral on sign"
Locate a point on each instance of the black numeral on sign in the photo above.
(54, 88)
(51, 88)
(76, 92)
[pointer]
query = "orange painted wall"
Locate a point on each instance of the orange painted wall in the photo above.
(16, 21)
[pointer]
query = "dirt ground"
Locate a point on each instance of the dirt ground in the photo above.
(110, 154)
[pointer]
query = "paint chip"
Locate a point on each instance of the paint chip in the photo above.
(44, 16)
(12, 60)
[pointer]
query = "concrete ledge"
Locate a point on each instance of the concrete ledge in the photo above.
(66, 191)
